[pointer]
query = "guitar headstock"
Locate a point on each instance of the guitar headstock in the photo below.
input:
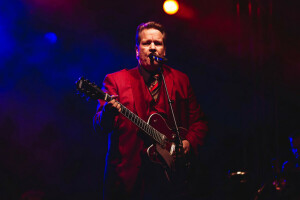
(89, 89)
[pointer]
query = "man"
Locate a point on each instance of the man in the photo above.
(128, 175)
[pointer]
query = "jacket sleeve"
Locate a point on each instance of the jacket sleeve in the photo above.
(197, 125)
(105, 119)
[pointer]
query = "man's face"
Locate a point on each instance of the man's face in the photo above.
(151, 42)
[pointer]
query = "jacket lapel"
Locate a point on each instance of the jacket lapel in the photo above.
(169, 81)
(141, 95)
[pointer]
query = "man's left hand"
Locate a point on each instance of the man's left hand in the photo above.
(186, 146)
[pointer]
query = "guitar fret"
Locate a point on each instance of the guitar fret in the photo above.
(155, 135)
(138, 123)
(134, 118)
(151, 131)
(148, 130)
(144, 127)
(141, 124)
(125, 112)
(131, 117)
(159, 137)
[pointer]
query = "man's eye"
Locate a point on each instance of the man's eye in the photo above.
(146, 43)
(157, 43)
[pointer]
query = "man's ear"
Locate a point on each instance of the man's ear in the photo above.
(136, 52)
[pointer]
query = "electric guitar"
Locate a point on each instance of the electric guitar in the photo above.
(163, 150)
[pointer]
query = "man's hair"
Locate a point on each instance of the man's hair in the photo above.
(149, 25)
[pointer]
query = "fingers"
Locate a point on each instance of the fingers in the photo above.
(186, 146)
(114, 96)
(114, 104)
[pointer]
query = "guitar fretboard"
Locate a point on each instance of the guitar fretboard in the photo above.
(93, 91)
(152, 132)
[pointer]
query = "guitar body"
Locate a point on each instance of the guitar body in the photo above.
(166, 154)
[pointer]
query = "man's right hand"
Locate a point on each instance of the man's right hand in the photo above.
(110, 110)
(113, 105)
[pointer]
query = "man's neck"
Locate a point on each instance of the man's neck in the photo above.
(146, 74)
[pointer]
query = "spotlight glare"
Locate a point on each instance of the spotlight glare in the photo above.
(171, 7)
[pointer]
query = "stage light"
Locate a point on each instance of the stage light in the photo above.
(51, 37)
(171, 7)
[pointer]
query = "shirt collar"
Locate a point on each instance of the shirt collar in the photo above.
(147, 75)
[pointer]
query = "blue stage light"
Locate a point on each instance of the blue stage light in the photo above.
(51, 37)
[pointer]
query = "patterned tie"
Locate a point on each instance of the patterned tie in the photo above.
(154, 86)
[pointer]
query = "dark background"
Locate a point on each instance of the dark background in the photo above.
(243, 62)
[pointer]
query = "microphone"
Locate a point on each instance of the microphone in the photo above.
(157, 58)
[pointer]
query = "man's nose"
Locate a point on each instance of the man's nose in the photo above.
(152, 47)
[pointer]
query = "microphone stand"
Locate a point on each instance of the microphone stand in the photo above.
(178, 141)
(179, 177)
(161, 60)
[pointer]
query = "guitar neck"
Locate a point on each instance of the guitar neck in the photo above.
(152, 132)
(93, 91)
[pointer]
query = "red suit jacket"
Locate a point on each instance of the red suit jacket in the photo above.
(123, 160)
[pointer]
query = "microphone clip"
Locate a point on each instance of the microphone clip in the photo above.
(157, 58)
